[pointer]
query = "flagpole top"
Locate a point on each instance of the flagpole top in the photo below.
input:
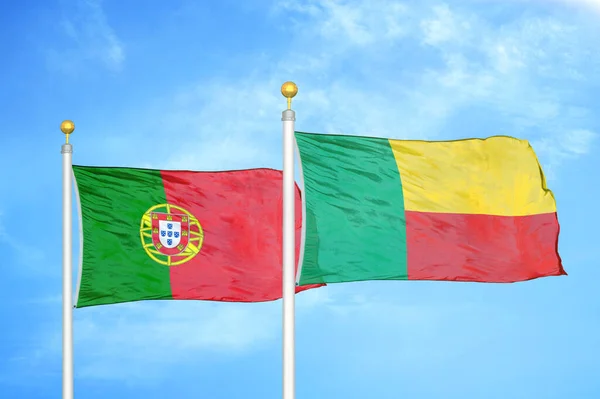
(67, 127)
(289, 90)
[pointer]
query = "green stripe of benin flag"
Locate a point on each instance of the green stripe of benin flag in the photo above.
(469, 210)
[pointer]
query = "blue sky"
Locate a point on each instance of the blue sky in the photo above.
(195, 85)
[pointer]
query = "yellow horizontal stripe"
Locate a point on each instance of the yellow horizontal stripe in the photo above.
(495, 176)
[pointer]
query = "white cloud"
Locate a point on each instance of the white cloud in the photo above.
(90, 38)
(140, 341)
(593, 5)
(388, 92)
(444, 27)
(345, 24)
(581, 5)
(162, 335)
(578, 141)
(563, 147)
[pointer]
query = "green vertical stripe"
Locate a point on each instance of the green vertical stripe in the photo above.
(355, 223)
(115, 266)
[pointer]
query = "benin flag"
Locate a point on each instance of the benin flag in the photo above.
(151, 234)
(467, 210)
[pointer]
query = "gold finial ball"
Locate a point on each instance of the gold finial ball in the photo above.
(289, 89)
(67, 127)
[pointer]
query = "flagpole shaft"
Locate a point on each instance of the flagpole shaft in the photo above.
(67, 338)
(289, 269)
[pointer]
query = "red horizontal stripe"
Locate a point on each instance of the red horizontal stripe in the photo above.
(241, 215)
(482, 248)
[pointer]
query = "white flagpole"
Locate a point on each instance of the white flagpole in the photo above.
(67, 127)
(289, 90)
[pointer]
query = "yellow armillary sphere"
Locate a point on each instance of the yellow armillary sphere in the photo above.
(170, 234)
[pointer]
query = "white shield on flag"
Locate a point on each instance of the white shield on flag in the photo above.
(170, 233)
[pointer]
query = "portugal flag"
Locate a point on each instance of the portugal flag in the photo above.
(152, 234)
